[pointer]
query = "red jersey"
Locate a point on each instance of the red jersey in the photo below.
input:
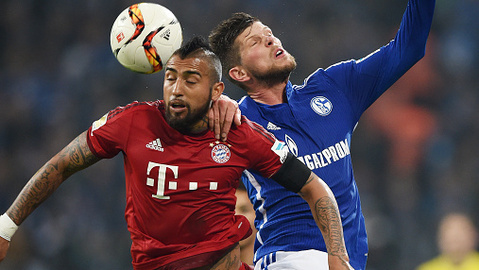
(180, 189)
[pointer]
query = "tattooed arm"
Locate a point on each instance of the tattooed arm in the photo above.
(326, 214)
(73, 158)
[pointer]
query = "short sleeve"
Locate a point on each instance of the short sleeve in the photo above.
(266, 153)
(109, 135)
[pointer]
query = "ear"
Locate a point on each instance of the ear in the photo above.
(217, 90)
(239, 74)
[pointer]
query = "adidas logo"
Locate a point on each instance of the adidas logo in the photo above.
(166, 34)
(155, 145)
(272, 126)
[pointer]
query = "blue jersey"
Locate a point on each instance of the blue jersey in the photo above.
(317, 123)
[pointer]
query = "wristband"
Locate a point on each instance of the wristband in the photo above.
(7, 227)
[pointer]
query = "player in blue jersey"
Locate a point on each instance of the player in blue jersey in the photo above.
(317, 120)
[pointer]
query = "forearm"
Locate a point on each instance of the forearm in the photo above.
(37, 190)
(69, 160)
(326, 214)
(378, 71)
(409, 43)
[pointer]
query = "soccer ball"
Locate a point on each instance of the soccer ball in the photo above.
(144, 36)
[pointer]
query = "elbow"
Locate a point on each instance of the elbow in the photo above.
(315, 189)
(421, 52)
(419, 47)
(414, 55)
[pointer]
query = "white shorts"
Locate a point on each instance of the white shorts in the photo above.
(294, 260)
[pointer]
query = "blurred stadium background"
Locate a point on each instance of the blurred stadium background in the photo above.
(415, 151)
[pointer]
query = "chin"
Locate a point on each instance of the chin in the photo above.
(291, 62)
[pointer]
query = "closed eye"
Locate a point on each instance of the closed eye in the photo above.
(253, 41)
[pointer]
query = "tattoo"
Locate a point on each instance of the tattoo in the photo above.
(78, 155)
(229, 262)
(326, 214)
(201, 126)
(74, 157)
(330, 222)
(205, 120)
(311, 178)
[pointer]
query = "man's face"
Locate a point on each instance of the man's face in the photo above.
(187, 91)
(262, 54)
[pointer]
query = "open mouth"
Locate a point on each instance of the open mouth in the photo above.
(279, 53)
(177, 105)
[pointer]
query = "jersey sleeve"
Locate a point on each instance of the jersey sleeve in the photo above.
(272, 159)
(108, 135)
(266, 154)
(366, 79)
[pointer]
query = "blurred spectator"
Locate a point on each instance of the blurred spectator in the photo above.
(457, 241)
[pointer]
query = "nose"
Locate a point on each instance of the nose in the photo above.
(269, 40)
(177, 89)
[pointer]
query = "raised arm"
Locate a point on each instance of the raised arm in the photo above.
(73, 158)
(408, 46)
(366, 79)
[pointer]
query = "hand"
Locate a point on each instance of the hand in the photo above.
(221, 116)
(4, 245)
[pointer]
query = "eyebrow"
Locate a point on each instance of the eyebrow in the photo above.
(247, 37)
(171, 69)
(250, 30)
(188, 72)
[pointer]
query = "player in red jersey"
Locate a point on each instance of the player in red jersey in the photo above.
(181, 180)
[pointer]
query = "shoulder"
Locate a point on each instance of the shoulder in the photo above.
(139, 105)
(136, 106)
(436, 263)
(475, 257)
(250, 130)
(246, 102)
(326, 76)
(332, 78)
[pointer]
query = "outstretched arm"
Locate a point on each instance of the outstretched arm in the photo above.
(326, 214)
(73, 158)
(366, 79)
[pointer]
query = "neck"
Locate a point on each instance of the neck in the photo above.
(458, 257)
(200, 126)
(268, 94)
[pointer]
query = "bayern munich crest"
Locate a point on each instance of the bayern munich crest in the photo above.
(321, 105)
(220, 153)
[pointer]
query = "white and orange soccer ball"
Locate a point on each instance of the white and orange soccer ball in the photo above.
(144, 36)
